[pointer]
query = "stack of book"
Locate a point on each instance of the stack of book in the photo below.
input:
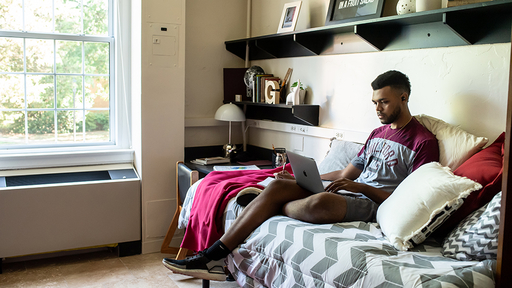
(210, 160)
(260, 82)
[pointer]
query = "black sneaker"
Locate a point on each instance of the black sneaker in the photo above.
(198, 266)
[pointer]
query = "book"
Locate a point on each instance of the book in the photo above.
(257, 86)
(235, 168)
(210, 160)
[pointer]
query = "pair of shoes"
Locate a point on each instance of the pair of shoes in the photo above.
(244, 197)
(198, 266)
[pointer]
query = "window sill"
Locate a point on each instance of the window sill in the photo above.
(36, 159)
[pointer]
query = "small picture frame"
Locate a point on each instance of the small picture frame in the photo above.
(341, 11)
(289, 17)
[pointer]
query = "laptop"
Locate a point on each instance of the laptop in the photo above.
(306, 173)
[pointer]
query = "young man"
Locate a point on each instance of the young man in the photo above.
(390, 153)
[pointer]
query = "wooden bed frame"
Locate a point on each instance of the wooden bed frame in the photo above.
(504, 265)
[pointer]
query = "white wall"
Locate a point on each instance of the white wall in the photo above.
(209, 24)
(158, 88)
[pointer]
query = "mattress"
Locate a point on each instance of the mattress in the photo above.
(285, 252)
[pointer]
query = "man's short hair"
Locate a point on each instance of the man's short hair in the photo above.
(393, 78)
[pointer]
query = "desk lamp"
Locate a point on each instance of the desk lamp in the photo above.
(229, 112)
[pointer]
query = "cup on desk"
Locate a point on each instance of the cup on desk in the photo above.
(279, 157)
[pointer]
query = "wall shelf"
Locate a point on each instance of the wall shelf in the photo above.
(297, 114)
(479, 23)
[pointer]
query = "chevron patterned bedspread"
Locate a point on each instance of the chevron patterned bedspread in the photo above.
(284, 252)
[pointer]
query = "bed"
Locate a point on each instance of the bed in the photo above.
(453, 243)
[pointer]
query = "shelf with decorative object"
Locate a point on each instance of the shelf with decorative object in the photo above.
(479, 23)
(298, 114)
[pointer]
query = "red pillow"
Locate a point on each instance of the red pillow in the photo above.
(486, 168)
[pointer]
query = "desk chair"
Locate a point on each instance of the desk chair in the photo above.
(185, 177)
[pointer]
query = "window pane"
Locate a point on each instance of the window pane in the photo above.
(96, 58)
(69, 92)
(97, 126)
(68, 16)
(11, 15)
(38, 15)
(96, 17)
(41, 127)
(11, 91)
(69, 126)
(11, 51)
(40, 91)
(39, 55)
(12, 128)
(96, 92)
(69, 56)
(55, 90)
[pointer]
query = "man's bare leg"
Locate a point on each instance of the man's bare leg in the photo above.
(269, 203)
(285, 197)
(319, 208)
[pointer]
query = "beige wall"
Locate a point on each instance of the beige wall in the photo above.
(158, 88)
(163, 94)
(209, 24)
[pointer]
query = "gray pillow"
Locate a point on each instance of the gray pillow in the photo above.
(340, 154)
(476, 237)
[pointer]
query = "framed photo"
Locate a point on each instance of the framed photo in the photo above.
(341, 11)
(289, 17)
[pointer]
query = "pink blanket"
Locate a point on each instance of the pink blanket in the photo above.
(212, 196)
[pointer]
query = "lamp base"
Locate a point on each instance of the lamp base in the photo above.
(229, 150)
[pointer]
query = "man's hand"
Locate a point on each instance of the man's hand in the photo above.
(284, 175)
(344, 184)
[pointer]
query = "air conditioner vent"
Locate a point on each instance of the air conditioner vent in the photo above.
(73, 177)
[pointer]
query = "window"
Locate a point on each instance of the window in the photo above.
(56, 73)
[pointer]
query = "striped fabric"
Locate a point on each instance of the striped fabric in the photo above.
(284, 252)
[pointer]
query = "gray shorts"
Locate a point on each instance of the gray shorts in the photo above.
(360, 209)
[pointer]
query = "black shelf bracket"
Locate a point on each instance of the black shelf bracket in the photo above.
(479, 23)
(296, 114)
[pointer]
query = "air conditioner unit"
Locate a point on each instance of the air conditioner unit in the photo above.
(46, 210)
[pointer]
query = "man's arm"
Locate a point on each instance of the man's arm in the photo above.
(350, 172)
(375, 194)
(343, 180)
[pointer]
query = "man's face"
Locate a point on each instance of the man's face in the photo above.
(388, 104)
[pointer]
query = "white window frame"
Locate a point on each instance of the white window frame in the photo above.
(119, 150)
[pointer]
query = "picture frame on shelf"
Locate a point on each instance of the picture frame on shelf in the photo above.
(289, 17)
(341, 11)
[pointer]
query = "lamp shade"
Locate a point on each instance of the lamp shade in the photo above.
(230, 112)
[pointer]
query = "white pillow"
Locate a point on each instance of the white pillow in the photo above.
(455, 144)
(340, 154)
(421, 203)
